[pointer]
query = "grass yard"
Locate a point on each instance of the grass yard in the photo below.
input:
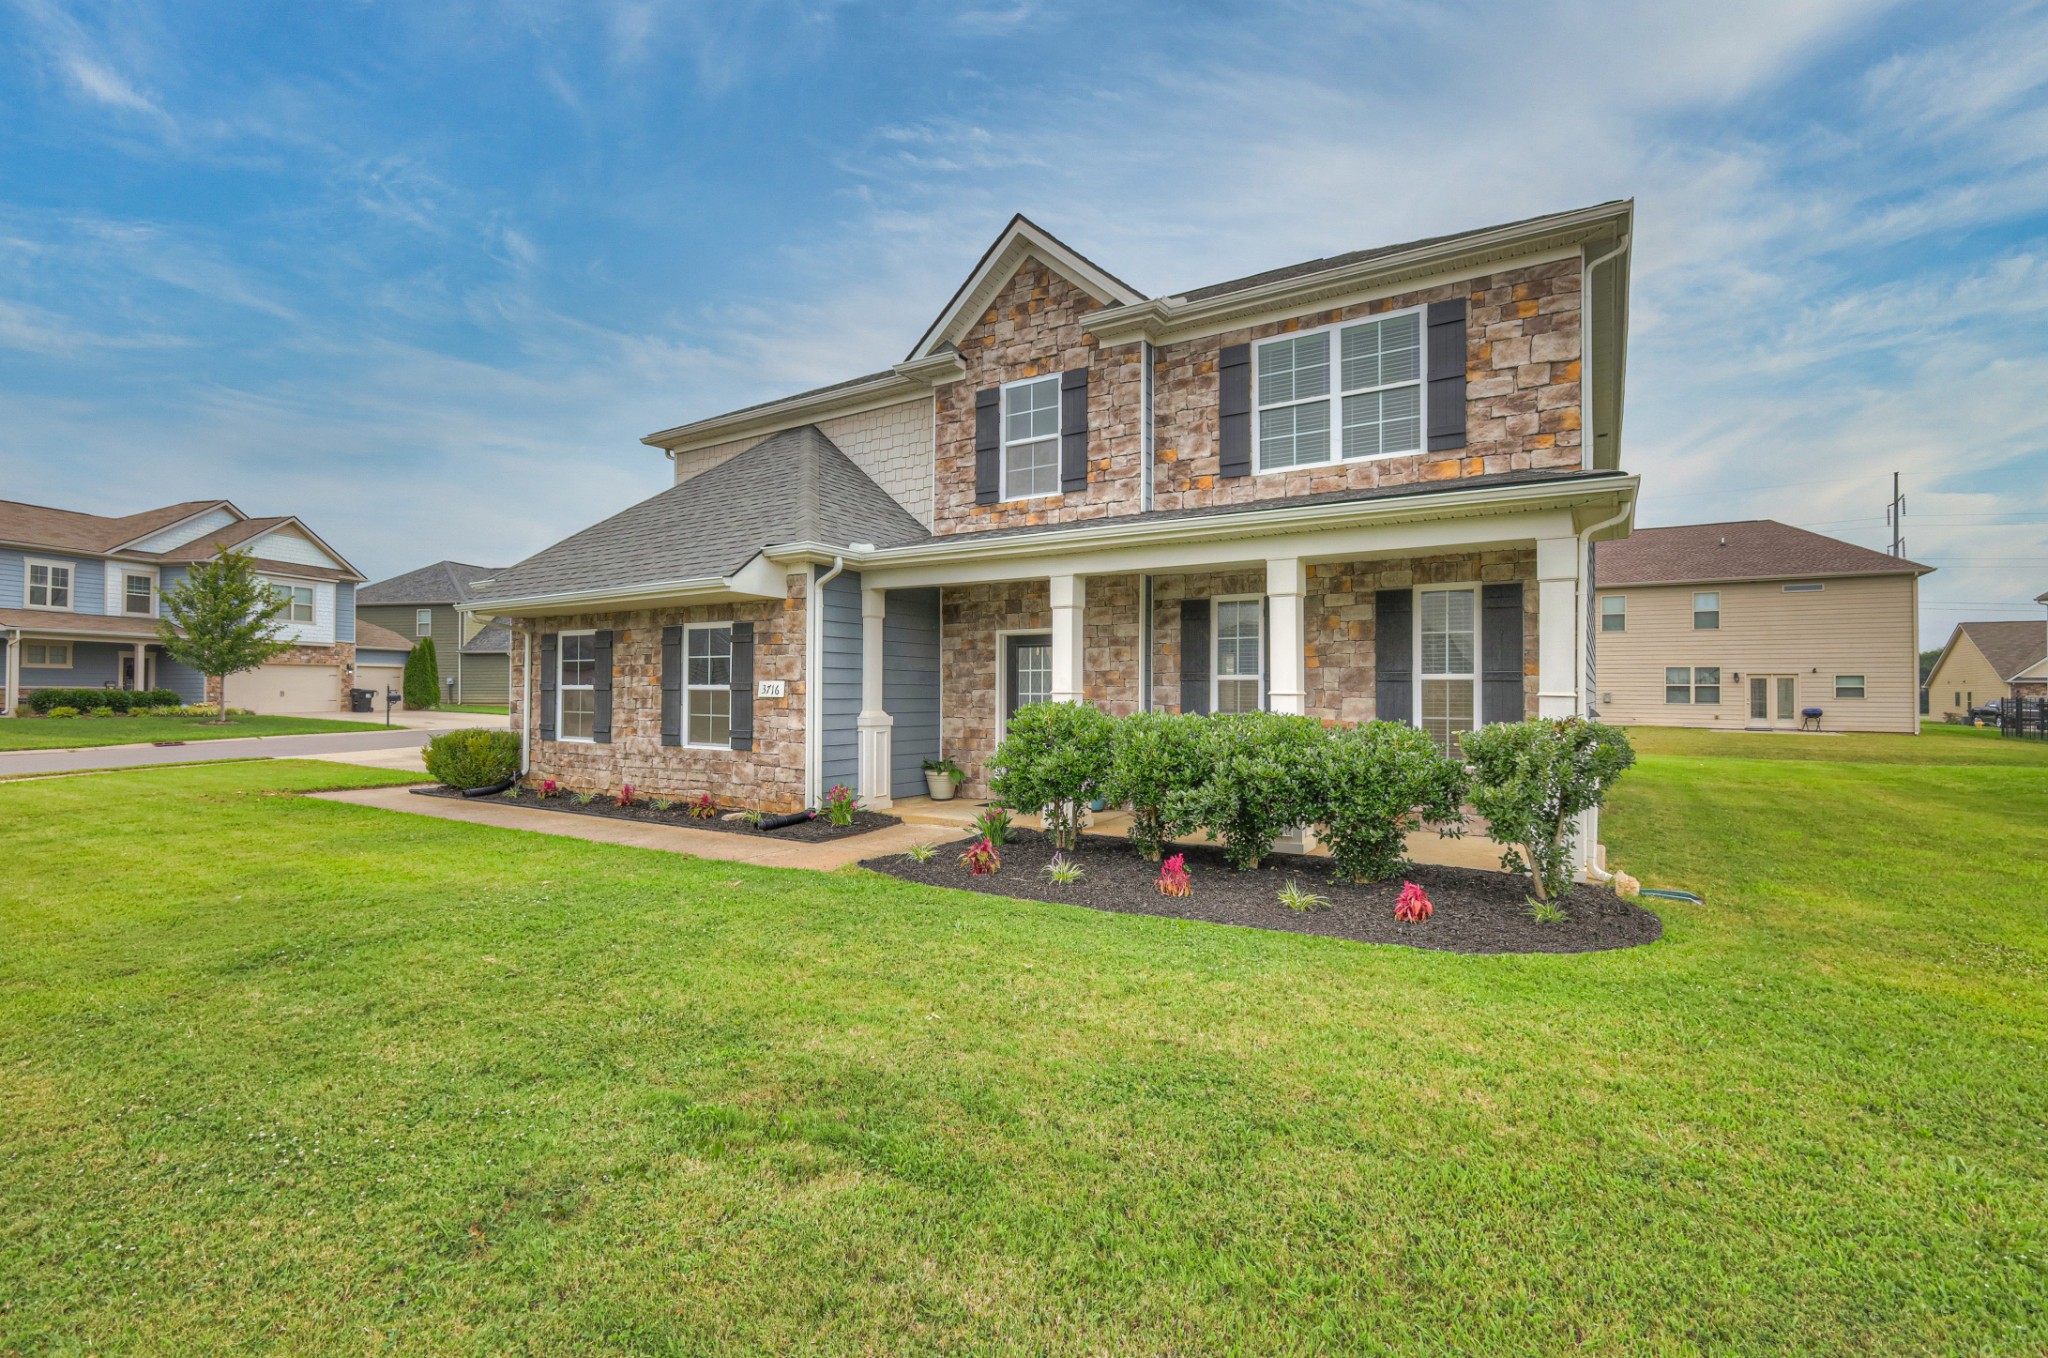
(288, 1076)
(480, 709)
(44, 733)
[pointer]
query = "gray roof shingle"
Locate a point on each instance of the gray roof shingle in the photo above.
(495, 639)
(795, 486)
(444, 582)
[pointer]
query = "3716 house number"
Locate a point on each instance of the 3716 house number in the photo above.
(769, 688)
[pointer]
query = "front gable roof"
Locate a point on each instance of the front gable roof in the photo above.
(27, 525)
(1022, 239)
(796, 486)
(2012, 648)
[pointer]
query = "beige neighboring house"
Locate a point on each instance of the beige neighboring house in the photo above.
(1986, 660)
(1748, 626)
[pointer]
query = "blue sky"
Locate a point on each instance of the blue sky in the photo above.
(424, 273)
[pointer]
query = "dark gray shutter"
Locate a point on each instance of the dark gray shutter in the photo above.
(1500, 654)
(1234, 410)
(742, 686)
(1074, 429)
(1447, 374)
(601, 683)
(988, 445)
(550, 664)
(1194, 656)
(671, 685)
(1393, 655)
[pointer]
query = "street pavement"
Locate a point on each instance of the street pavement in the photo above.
(385, 749)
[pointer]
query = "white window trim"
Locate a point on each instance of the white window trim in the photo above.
(1863, 683)
(1336, 394)
(1478, 642)
(416, 622)
(1621, 612)
(689, 688)
(561, 656)
(70, 654)
(70, 570)
(1059, 411)
(1697, 610)
(1215, 670)
(1003, 635)
(1692, 686)
(155, 578)
(291, 601)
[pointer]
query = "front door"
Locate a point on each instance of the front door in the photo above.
(130, 680)
(1027, 671)
(1773, 701)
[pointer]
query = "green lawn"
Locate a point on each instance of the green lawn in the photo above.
(481, 709)
(45, 733)
(288, 1076)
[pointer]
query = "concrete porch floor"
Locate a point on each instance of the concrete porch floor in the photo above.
(1424, 846)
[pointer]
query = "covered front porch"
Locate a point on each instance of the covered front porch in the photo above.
(83, 651)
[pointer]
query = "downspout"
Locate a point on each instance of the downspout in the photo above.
(814, 642)
(1590, 833)
(526, 703)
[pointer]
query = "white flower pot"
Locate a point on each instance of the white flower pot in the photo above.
(940, 785)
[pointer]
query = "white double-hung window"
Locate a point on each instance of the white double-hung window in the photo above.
(1031, 438)
(1448, 629)
(49, 584)
(1340, 393)
(707, 685)
(138, 592)
(576, 686)
(1240, 654)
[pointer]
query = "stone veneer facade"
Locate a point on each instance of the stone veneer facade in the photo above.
(340, 653)
(770, 776)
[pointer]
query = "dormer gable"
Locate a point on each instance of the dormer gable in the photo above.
(1022, 240)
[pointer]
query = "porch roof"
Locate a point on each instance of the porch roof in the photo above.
(91, 626)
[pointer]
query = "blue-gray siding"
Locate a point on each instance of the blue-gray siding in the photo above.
(94, 664)
(344, 611)
(188, 684)
(910, 685)
(88, 580)
(839, 683)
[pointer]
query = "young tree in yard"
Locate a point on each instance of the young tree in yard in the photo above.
(422, 676)
(222, 619)
(1532, 779)
(1054, 760)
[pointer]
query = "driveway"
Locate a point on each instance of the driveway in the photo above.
(396, 748)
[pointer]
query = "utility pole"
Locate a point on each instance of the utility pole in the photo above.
(1895, 515)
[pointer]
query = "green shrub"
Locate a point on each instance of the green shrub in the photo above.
(105, 712)
(1381, 780)
(62, 713)
(1264, 772)
(44, 700)
(1053, 760)
(156, 699)
(473, 758)
(1532, 780)
(1156, 759)
(422, 676)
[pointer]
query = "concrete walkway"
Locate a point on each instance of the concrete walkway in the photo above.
(731, 848)
(333, 745)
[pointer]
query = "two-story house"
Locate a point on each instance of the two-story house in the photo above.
(1361, 486)
(471, 650)
(80, 598)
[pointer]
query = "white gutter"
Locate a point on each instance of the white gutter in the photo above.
(1585, 608)
(526, 705)
(568, 602)
(814, 666)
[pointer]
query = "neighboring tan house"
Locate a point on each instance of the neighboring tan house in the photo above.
(1364, 486)
(1750, 625)
(1986, 660)
(380, 661)
(80, 593)
(472, 653)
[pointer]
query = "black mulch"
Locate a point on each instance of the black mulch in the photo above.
(1476, 911)
(811, 831)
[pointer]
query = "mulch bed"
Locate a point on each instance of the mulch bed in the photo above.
(1476, 911)
(813, 831)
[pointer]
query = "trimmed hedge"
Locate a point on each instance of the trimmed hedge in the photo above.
(46, 700)
(478, 757)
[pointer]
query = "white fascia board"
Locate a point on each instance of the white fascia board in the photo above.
(294, 521)
(208, 508)
(1019, 241)
(750, 582)
(888, 389)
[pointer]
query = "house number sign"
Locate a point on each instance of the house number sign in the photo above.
(769, 688)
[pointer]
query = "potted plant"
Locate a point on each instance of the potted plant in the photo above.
(941, 779)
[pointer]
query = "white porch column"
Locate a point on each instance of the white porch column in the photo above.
(14, 675)
(1286, 584)
(141, 666)
(1558, 610)
(1068, 592)
(877, 734)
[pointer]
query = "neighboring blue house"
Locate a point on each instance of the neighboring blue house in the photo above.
(79, 598)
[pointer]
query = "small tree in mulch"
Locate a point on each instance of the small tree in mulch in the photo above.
(422, 676)
(1533, 779)
(1054, 760)
(1381, 780)
(222, 619)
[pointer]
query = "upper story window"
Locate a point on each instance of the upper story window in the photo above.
(1370, 407)
(1614, 613)
(423, 622)
(297, 601)
(1031, 438)
(138, 592)
(49, 584)
(576, 686)
(1240, 654)
(1706, 611)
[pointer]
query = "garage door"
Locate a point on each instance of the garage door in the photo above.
(381, 679)
(287, 688)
